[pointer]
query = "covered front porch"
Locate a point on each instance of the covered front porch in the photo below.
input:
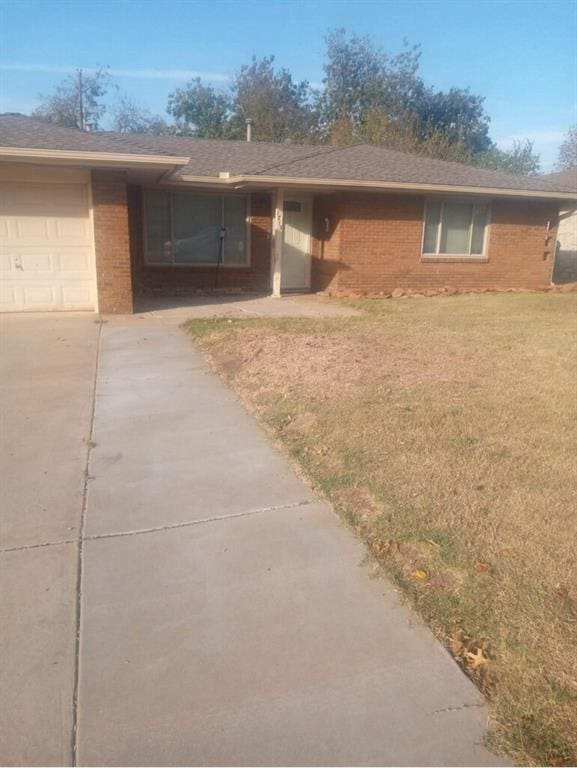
(193, 240)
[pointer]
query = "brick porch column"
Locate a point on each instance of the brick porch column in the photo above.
(111, 242)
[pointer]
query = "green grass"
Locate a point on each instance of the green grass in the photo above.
(444, 432)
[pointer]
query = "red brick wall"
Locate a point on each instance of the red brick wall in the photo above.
(111, 242)
(362, 243)
(187, 279)
(326, 243)
(379, 247)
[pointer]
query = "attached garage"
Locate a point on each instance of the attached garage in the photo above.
(46, 240)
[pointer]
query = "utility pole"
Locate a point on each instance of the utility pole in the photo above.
(81, 100)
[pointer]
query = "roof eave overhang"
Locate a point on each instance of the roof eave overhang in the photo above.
(91, 159)
(350, 184)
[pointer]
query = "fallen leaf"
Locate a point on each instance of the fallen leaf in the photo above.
(420, 574)
(482, 567)
(476, 660)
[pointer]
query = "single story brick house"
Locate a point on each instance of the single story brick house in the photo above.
(89, 221)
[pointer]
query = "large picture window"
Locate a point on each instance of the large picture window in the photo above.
(186, 228)
(455, 229)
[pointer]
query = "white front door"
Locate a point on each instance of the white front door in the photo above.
(46, 246)
(296, 249)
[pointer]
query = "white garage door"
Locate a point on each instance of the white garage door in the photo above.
(46, 246)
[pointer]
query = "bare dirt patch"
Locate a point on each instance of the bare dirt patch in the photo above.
(321, 360)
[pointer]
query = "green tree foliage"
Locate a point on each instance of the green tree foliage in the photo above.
(370, 97)
(279, 106)
(568, 151)
(77, 102)
(520, 160)
(404, 136)
(457, 114)
(364, 88)
(130, 117)
(361, 79)
(200, 110)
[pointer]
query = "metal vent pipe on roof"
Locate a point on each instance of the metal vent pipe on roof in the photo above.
(248, 123)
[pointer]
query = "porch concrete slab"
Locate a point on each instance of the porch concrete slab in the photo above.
(259, 640)
(177, 310)
(37, 648)
(47, 365)
(171, 442)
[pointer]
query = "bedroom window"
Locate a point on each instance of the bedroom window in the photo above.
(186, 228)
(455, 229)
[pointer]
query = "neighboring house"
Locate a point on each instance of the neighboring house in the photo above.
(91, 220)
(565, 269)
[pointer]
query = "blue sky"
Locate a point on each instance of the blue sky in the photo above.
(520, 54)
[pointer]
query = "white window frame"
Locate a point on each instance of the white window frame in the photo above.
(439, 256)
(172, 264)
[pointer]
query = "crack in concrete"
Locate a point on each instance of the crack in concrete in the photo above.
(80, 543)
(24, 547)
(217, 518)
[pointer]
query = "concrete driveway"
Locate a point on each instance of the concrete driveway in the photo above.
(197, 605)
(47, 367)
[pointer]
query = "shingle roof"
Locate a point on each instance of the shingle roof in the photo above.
(19, 131)
(368, 163)
(567, 178)
(209, 157)
(358, 162)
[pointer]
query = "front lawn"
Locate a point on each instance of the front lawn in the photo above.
(444, 431)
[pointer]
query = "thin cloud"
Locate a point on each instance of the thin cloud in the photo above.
(136, 74)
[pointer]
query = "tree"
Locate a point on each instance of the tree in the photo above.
(130, 117)
(370, 96)
(520, 160)
(568, 150)
(457, 114)
(378, 129)
(280, 107)
(360, 79)
(199, 110)
(77, 102)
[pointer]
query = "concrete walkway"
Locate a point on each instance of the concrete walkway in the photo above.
(225, 618)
